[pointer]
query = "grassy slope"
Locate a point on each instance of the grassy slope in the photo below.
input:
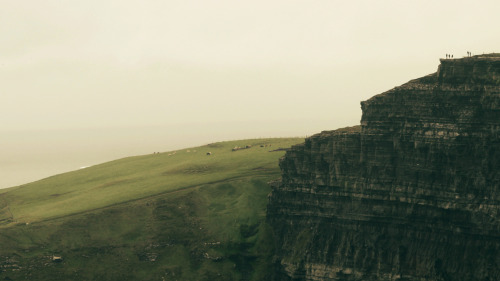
(182, 216)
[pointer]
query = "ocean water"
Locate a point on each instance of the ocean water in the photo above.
(31, 155)
(27, 156)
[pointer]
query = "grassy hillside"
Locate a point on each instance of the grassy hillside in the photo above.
(181, 215)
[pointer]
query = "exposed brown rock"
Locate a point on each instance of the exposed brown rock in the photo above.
(411, 194)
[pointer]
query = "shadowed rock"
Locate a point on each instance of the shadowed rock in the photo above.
(411, 194)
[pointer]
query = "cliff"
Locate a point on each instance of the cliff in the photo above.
(411, 194)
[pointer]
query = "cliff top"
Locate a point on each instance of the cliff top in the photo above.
(340, 131)
(483, 57)
(472, 71)
(480, 69)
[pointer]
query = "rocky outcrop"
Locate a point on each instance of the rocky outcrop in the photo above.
(411, 194)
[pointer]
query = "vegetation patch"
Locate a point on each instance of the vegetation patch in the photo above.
(128, 220)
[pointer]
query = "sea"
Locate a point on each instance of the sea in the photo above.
(31, 155)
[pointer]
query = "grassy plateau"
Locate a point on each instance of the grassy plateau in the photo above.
(179, 215)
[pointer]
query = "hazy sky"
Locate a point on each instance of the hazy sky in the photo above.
(83, 82)
(86, 64)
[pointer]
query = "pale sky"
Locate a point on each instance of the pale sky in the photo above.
(86, 64)
(83, 82)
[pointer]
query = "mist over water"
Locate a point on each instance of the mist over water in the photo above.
(27, 156)
(123, 65)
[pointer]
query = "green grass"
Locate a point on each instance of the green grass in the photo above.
(182, 216)
(138, 177)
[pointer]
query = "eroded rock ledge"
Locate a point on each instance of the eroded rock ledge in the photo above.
(411, 194)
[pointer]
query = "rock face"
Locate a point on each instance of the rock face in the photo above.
(411, 194)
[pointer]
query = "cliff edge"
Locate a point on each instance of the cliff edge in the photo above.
(410, 194)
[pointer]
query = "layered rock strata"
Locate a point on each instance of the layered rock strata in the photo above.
(411, 194)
